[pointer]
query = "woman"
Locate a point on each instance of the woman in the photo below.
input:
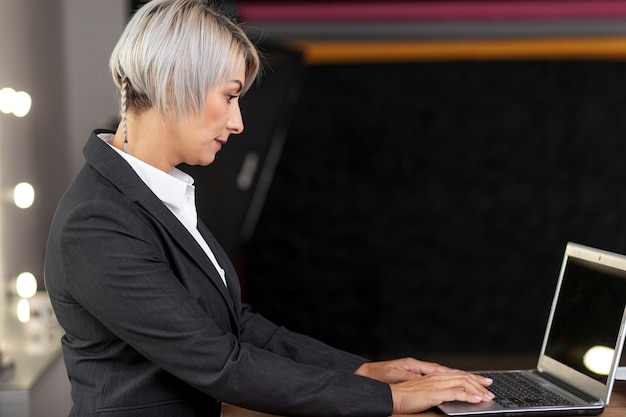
(149, 302)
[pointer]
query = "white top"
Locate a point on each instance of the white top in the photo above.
(175, 189)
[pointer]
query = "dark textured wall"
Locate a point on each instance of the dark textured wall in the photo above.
(425, 207)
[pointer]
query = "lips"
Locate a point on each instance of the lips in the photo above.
(221, 142)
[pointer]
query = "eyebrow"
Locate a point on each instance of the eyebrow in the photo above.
(238, 82)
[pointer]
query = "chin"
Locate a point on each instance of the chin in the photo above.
(206, 161)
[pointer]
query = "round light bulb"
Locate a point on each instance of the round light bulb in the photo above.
(26, 285)
(23, 195)
(23, 311)
(21, 104)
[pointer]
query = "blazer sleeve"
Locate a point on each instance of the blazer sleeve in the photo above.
(115, 266)
(301, 348)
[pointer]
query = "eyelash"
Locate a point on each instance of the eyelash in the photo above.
(230, 97)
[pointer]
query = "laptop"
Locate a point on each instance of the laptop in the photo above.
(581, 349)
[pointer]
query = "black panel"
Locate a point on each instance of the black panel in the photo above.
(425, 207)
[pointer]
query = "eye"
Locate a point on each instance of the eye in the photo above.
(231, 97)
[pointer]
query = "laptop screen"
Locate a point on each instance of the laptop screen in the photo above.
(587, 318)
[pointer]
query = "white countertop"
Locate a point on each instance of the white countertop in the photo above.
(32, 347)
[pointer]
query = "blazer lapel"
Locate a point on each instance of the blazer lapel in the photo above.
(110, 165)
(233, 285)
(187, 242)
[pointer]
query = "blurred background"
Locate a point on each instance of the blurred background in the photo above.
(409, 174)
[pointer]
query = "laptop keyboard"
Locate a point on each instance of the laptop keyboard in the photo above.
(514, 389)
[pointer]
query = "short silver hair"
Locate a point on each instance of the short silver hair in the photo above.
(173, 52)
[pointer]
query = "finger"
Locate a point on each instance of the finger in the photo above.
(483, 380)
(479, 379)
(463, 395)
(471, 384)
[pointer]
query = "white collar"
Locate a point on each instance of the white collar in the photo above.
(171, 188)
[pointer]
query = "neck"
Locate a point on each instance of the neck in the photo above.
(147, 139)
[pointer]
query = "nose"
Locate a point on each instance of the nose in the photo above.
(235, 120)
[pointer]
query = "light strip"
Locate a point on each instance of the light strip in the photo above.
(338, 52)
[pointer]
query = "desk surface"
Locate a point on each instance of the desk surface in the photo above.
(616, 408)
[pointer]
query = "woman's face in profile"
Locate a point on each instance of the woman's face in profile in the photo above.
(198, 138)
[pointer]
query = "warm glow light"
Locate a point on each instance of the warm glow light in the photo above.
(21, 104)
(23, 195)
(23, 311)
(598, 359)
(16, 102)
(26, 285)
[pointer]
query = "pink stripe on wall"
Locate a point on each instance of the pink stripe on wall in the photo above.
(253, 11)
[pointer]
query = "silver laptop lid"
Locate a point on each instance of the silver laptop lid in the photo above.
(585, 331)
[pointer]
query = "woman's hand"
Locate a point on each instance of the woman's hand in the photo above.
(417, 386)
(430, 390)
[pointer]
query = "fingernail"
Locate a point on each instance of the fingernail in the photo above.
(490, 395)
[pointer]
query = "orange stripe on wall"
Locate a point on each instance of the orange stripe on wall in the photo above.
(338, 52)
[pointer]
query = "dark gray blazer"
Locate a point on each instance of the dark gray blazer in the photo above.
(150, 328)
